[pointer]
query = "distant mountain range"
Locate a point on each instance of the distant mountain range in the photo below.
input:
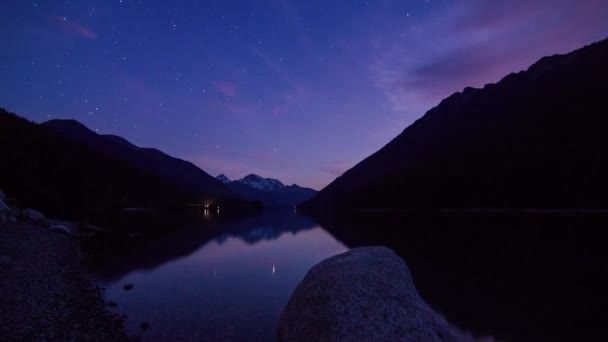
(185, 175)
(536, 139)
(65, 169)
(270, 192)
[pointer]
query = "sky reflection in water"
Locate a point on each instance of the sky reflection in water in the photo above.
(232, 288)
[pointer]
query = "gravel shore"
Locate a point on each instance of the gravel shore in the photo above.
(45, 294)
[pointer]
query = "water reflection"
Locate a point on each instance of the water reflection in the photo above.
(231, 286)
(185, 235)
(516, 277)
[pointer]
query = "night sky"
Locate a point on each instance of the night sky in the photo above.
(294, 90)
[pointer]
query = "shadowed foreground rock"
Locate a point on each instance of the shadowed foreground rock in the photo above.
(366, 294)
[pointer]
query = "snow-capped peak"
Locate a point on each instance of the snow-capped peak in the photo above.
(222, 178)
(265, 184)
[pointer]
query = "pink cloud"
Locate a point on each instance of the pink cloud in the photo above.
(475, 42)
(71, 27)
(278, 110)
(216, 164)
(227, 88)
(238, 164)
(336, 168)
(237, 110)
(294, 96)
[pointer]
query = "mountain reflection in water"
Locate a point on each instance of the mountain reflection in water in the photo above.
(226, 280)
(495, 276)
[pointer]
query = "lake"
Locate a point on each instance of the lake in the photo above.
(495, 276)
(233, 286)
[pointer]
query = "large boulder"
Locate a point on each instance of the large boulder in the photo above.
(366, 294)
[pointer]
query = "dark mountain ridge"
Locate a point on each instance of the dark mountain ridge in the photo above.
(536, 139)
(183, 174)
(56, 173)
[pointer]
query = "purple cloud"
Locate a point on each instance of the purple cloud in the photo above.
(71, 27)
(227, 88)
(336, 168)
(476, 42)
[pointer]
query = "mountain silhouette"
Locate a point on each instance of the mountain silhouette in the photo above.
(185, 175)
(536, 139)
(66, 170)
(271, 192)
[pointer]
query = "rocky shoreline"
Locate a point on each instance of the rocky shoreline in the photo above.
(45, 292)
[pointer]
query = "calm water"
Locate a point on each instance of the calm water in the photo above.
(232, 287)
(495, 276)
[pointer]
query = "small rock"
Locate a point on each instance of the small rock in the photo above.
(2, 195)
(128, 287)
(60, 229)
(11, 219)
(33, 215)
(3, 206)
(5, 260)
(134, 236)
(88, 228)
(5, 212)
(144, 326)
